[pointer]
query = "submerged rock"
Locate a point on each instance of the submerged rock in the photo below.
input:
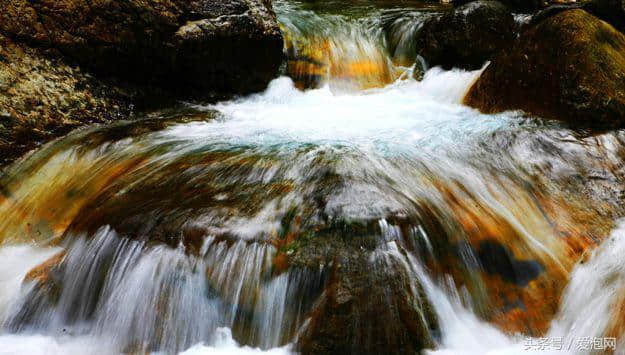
(570, 67)
(232, 46)
(343, 251)
(466, 37)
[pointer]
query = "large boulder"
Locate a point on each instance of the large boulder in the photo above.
(467, 37)
(226, 46)
(569, 67)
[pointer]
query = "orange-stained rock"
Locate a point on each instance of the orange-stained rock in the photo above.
(516, 264)
(284, 242)
(41, 273)
(47, 284)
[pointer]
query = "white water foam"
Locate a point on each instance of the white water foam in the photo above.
(34, 344)
(224, 344)
(404, 114)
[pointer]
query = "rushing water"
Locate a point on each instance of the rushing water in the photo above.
(236, 227)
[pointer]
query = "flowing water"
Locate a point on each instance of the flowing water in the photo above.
(246, 226)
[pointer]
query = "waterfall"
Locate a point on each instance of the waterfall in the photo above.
(585, 314)
(132, 296)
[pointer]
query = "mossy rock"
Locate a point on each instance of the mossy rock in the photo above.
(569, 67)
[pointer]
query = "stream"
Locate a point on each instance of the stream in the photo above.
(235, 227)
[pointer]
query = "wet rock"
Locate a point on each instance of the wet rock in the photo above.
(232, 46)
(370, 304)
(467, 37)
(45, 282)
(42, 97)
(419, 69)
(43, 274)
(365, 288)
(520, 6)
(610, 11)
(511, 282)
(490, 249)
(570, 67)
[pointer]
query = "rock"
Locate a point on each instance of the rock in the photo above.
(611, 11)
(467, 37)
(46, 281)
(43, 273)
(570, 67)
(512, 284)
(41, 97)
(232, 46)
(419, 69)
(517, 6)
(548, 12)
(142, 54)
(371, 302)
